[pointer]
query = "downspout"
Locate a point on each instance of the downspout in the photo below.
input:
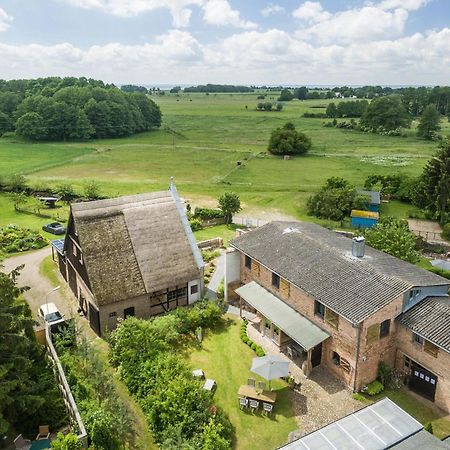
(358, 342)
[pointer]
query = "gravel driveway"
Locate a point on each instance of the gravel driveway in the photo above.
(40, 286)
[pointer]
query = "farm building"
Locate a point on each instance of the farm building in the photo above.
(343, 305)
(130, 256)
(364, 219)
(374, 199)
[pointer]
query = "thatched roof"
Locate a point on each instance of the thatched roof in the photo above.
(135, 245)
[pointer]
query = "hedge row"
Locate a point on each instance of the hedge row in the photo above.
(246, 340)
(208, 213)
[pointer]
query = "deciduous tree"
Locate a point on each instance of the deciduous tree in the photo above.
(230, 204)
(288, 141)
(429, 122)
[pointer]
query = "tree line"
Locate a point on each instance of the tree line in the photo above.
(218, 88)
(73, 109)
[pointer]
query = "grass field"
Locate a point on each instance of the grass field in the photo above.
(223, 357)
(202, 139)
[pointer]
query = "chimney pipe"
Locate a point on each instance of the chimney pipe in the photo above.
(358, 246)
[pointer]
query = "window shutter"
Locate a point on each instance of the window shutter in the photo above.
(373, 333)
(431, 349)
(331, 318)
(284, 287)
(345, 364)
(255, 268)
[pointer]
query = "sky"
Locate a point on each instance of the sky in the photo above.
(151, 42)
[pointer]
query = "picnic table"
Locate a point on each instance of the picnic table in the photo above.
(255, 394)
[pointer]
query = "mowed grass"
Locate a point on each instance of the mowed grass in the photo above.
(213, 143)
(223, 357)
(8, 216)
(226, 232)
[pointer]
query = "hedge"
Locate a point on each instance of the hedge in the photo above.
(208, 213)
(246, 340)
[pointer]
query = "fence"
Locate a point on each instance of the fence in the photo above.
(74, 415)
(428, 235)
(248, 222)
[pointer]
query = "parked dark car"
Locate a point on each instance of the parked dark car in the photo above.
(54, 228)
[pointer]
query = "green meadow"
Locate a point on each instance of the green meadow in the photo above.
(217, 142)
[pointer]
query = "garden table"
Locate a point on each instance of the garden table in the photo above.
(255, 394)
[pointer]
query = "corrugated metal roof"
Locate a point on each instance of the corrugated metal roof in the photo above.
(296, 326)
(320, 262)
(431, 320)
(375, 427)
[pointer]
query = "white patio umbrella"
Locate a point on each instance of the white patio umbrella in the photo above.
(270, 367)
(441, 263)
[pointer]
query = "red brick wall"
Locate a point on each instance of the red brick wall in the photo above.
(439, 366)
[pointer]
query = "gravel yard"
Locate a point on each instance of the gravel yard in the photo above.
(321, 399)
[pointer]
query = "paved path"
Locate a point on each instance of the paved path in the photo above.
(216, 278)
(39, 284)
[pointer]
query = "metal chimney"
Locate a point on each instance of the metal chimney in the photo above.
(358, 246)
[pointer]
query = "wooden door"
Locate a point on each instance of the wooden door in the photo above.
(423, 381)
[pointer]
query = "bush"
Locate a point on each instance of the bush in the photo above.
(66, 442)
(195, 224)
(360, 398)
(446, 231)
(209, 255)
(15, 239)
(428, 427)
(208, 213)
(288, 141)
(375, 388)
(384, 373)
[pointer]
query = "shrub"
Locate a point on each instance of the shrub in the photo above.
(375, 387)
(92, 190)
(253, 346)
(260, 352)
(195, 224)
(384, 373)
(438, 271)
(15, 239)
(428, 427)
(66, 442)
(208, 213)
(209, 255)
(359, 397)
(446, 231)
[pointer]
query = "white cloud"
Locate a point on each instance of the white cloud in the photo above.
(219, 12)
(5, 20)
(364, 24)
(410, 5)
(127, 8)
(311, 12)
(248, 57)
(272, 8)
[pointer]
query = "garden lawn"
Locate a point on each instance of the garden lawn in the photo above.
(226, 359)
(418, 409)
(226, 232)
(25, 219)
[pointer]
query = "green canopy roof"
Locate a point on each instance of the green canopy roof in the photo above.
(296, 326)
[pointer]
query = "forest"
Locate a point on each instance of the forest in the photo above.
(65, 109)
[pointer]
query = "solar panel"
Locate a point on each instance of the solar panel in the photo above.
(375, 427)
(58, 245)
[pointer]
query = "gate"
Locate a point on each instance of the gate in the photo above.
(423, 381)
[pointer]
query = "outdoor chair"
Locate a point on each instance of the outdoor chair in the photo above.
(20, 443)
(254, 404)
(209, 385)
(261, 385)
(44, 432)
(198, 373)
(243, 402)
(251, 382)
(267, 408)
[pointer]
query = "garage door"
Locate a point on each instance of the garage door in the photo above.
(423, 381)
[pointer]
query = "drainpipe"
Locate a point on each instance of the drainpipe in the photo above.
(358, 345)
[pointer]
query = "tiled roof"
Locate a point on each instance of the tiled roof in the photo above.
(431, 320)
(320, 262)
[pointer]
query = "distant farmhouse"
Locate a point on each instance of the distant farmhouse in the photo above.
(130, 256)
(344, 305)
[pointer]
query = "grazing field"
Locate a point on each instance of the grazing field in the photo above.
(203, 138)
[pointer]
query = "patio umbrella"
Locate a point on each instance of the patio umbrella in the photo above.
(270, 367)
(441, 263)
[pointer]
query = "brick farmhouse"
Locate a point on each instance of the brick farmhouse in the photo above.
(344, 305)
(130, 256)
